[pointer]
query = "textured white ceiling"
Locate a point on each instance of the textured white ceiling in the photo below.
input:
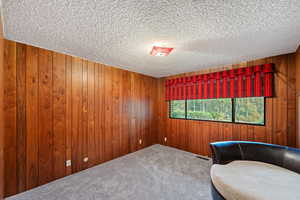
(204, 33)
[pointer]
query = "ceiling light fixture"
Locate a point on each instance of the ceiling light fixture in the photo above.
(160, 51)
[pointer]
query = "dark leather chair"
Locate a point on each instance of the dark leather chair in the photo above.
(226, 152)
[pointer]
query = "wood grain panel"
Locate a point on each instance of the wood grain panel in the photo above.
(92, 148)
(45, 117)
(99, 108)
(297, 73)
(68, 113)
(115, 110)
(291, 99)
(59, 115)
(69, 109)
(125, 115)
(84, 134)
(10, 118)
(21, 116)
(32, 127)
(280, 102)
(280, 114)
(76, 114)
(108, 140)
(1, 114)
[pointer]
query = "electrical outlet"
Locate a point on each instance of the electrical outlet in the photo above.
(85, 159)
(140, 141)
(165, 139)
(68, 163)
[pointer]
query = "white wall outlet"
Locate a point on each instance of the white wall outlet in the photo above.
(68, 163)
(140, 141)
(85, 159)
(165, 139)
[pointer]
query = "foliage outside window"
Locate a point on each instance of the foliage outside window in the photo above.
(238, 110)
(210, 109)
(177, 109)
(250, 110)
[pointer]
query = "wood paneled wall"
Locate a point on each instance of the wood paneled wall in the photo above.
(1, 114)
(59, 108)
(298, 94)
(280, 128)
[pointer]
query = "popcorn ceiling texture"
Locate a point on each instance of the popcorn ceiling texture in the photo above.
(204, 33)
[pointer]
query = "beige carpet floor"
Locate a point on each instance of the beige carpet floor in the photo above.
(156, 172)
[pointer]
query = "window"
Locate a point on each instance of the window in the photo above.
(210, 109)
(250, 110)
(238, 110)
(177, 109)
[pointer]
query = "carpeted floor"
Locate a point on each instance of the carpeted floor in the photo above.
(156, 172)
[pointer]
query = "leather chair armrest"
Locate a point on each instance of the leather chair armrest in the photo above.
(292, 159)
(225, 152)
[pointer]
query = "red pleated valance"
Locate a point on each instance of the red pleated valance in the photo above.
(254, 81)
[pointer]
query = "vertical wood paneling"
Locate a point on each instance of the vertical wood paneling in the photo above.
(10, 118)
(60, 108)
(298, 96)
(280, 102)
(99, 115)
(32, 127)
(291, 98)
(21, 116)
(125, 117)
(92, 148)
(133, 112)
(98, 103)
(280, 115)
(115, 110)
(59, 115)
(108, 140)
(76, 114)
(1, 113)
(45, 117)
(68, 138)
(141, 112)
(84, 134)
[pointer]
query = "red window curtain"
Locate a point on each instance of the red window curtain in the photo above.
(189, 82)
(224, 83)
(175, 89)
(211, 86)
(232, 83)
(248, 74)
(251, 81)
(257, 81)
(184, 87)
(218, 84)
(194, 87)
(167, 90)
(200, 86)
(180, 88)
(205, 86)
(240, 82)
(268, 80)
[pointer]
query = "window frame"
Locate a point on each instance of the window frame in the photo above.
(185, 108)
(233, 114)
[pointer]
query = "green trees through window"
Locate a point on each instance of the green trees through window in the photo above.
(250, 110)
(177, 109)
(210, 109)
(239, 110)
